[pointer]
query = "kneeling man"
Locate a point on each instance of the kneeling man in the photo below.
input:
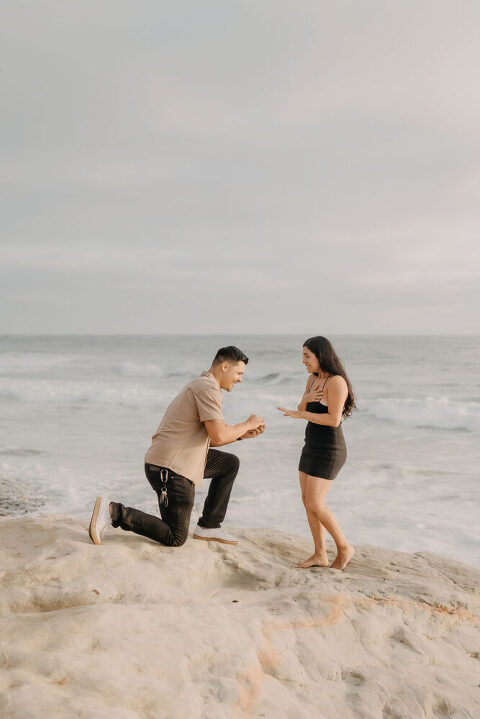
(181, 456)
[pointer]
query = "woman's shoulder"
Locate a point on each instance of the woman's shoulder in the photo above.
(337, 380)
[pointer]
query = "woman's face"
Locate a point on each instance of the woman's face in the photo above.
(310, 361)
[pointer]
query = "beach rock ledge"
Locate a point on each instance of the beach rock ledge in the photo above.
(134, 630)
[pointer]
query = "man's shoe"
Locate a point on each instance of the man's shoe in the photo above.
(214, 535)
(100, 520)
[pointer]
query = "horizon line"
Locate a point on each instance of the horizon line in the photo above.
(240, 334)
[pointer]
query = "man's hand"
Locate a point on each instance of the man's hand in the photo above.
(253, 432)
(221, 433)
(254, 422)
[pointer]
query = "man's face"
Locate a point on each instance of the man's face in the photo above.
(232, 372)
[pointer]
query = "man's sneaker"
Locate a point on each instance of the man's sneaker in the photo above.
(214, 535)
(100, 520)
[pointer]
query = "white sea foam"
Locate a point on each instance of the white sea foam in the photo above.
(78, 392)
(435, 412)
(15, 363)
(124, 392)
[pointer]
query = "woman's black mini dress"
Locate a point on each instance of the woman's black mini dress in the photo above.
(325, 451)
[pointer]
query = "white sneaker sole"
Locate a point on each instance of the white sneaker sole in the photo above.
(215, 539)
(92, 530)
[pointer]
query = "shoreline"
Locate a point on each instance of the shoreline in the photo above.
(140, 631)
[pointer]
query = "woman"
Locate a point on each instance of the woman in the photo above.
(327, 398)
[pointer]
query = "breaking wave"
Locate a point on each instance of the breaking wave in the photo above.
(437, 413)
(79, 393)
(132, 369)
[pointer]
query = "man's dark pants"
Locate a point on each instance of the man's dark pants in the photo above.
(172, 528)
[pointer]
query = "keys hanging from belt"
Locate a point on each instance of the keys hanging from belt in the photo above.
(163, 499)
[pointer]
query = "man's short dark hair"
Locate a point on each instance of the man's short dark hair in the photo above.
(229, 354)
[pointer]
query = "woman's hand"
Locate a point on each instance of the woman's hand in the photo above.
(314, 395)
(295, 413)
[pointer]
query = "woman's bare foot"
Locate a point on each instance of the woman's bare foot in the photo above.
(343, 557)
(316, 560)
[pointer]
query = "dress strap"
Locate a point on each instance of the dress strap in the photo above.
(326, 382)
(323, 386)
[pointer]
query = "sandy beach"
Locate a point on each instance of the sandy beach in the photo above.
(135, 630)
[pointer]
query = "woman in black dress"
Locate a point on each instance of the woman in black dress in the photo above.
(328, 397)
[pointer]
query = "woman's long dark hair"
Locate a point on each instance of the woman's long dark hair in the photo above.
(330, 362)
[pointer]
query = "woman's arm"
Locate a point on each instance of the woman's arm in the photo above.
(337, 395)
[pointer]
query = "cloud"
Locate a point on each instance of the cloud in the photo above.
(289, 158)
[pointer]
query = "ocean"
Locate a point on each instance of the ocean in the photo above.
(78, 414)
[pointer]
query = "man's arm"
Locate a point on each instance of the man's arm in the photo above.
(221, 433)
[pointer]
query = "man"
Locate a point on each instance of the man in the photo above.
(181, 456)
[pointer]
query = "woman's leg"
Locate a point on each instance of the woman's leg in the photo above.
(316, 491)
(319, 557)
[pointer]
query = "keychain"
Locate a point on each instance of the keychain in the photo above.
(163, 491)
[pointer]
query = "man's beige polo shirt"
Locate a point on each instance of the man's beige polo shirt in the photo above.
(181, 441)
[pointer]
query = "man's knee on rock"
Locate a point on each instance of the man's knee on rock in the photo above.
(179, 540)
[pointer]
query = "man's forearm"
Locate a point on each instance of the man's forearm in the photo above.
(230, 433)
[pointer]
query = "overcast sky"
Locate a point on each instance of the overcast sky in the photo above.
(304, 167)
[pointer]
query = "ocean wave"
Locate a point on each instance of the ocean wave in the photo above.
(132, 369)
(275, 378)
(434, 412)
(149, 369)
(81, 393)
(128, 392)
(16, 363)
(20, 451)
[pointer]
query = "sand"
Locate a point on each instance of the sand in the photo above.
(134, 630)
